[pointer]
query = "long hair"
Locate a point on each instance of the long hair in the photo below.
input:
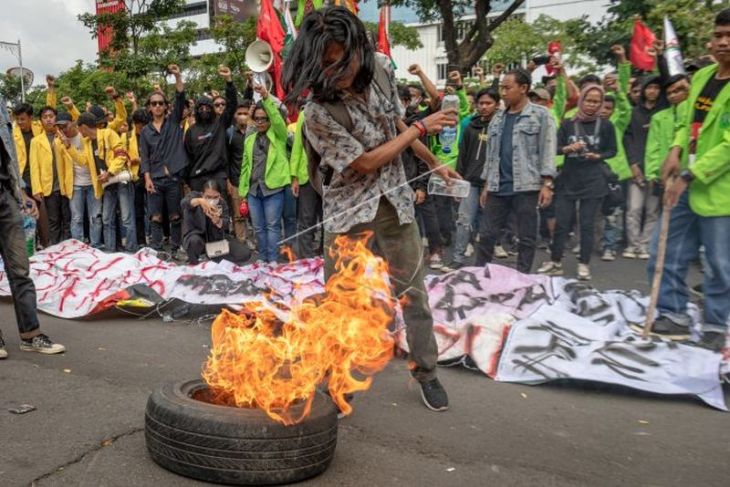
(304, 68)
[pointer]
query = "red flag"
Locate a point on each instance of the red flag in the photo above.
(269, 29)
(642, 52)
(383, 24)
(554, 50)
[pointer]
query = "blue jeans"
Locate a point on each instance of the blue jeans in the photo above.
(613, 229)
(290, 214)
(266, 214)
(121, 195)
(83, 198)
(466, 223)
(687, 232)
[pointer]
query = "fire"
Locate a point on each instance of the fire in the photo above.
(258, 361)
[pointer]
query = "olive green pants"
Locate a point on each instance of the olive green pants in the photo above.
(400, 246)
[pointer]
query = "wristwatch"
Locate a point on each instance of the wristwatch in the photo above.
(687, 175)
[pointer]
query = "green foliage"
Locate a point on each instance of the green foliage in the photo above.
(692, 20)
(400, 35)
(86, 83)
(515, 41)
(234, 37)
(132, 23)
(10, 88)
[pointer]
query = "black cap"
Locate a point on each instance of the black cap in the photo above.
(87, 119)
(63, 118)
(99, 113)
(204, 100)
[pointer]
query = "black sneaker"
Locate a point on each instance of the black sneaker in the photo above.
(434, 395)
(713, 341)
(41, 344)
(665, 327)
(697, 291)
(3, 352)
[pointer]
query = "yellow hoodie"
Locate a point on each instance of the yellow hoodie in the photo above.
(41, 166)
(110, 149)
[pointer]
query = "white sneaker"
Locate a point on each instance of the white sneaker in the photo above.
(629, 254)
(3, 352)
(424, 242)
(584, 272)
(499, 252)
(434, 262)
(576, 249)
(41, 344)
(551, 268)
(608, 255)
(643, 254)
(469, 250)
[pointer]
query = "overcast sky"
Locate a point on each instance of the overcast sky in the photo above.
(52, 38)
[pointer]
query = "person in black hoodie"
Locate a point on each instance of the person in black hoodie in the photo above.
(206, 142)
(641, 196)
(472, 156)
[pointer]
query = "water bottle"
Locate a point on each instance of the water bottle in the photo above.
(29, 226)
(458, 188)
(447, 137)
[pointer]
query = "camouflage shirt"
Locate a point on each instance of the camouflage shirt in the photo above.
(351, 197)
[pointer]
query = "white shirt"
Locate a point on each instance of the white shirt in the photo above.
(82, 175)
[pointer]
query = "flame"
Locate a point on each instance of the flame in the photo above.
(288, 252)
(258, 361)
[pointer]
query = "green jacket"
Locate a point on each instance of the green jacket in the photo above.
(453, 156)
(620, 119)
(298, 164)
(277, 164)
(709, 193)
(660, 139)
(559, 100)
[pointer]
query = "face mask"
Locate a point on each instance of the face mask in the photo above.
(213, 201)
(242, 119)
(415, 102)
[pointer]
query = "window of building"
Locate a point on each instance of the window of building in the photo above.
(442, 71)
(191, 9)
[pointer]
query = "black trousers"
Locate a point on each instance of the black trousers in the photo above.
(309, 211)
(195, 249)
(15, 256)
(59, 217)
(426, 213)
(140, 210)
(496, 214)
(446, 214)
(565, 216)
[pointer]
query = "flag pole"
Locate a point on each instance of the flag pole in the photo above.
(22, 74)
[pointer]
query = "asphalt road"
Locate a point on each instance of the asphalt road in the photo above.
(88, 426)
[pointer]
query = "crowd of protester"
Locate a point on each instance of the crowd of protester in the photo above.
(228, 176)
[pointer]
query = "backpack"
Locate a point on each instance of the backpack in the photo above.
(320, 175)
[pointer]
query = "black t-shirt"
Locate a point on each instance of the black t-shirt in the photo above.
(704, 102)
(581, 177)
(98, 158)
(27, 137)
(702, 107)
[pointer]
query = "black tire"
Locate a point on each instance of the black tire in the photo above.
(235, 445)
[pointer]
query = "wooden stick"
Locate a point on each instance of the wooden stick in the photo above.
(658, 269)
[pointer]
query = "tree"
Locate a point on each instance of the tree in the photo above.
(692, 19)
(400, 34)
(234, 37)
(10, 87)
(130, 25)
(465, 41)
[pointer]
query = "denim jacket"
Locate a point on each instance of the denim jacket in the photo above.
(6, 139)
(533, 144)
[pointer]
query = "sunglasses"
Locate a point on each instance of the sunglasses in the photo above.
(220, 104)
(260, 119)
(157, 103)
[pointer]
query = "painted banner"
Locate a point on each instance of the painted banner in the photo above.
(105, 34)
(512, 327)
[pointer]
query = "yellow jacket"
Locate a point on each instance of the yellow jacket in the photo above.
(110, 149)
(120, 115)
(129, 141)
(41, 166)
(36, 127)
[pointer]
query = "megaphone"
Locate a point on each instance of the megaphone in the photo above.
(259, 56)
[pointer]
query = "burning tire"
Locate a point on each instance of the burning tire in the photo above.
(236, 445)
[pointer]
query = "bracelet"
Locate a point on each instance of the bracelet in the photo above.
(421, 128)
